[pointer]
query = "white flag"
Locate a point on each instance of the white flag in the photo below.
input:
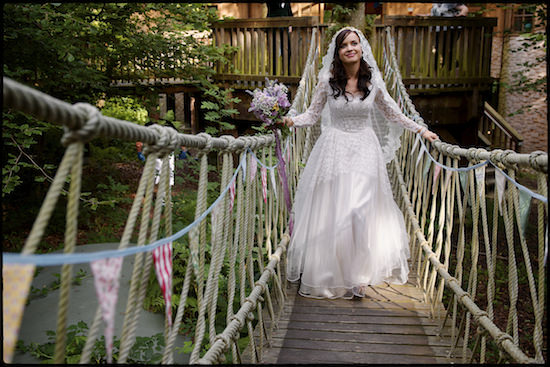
(480, 179)
(501, 186)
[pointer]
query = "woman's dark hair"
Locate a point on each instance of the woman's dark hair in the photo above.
(339, 78)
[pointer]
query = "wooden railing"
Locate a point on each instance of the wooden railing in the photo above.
(495, 132)
(275, 48)
(440, 51)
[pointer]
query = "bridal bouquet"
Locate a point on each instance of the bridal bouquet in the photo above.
(269, 105)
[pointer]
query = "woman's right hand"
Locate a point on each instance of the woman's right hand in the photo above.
(288, 121)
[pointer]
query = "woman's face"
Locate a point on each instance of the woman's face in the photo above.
(350, 49)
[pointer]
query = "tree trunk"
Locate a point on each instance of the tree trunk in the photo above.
(358, 17)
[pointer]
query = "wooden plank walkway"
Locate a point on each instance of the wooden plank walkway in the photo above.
(391, 324)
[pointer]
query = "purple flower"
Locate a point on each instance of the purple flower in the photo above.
(270, 103)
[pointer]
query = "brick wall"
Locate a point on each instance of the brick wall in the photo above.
(532, 124)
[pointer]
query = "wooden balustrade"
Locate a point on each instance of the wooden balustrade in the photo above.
(496, 133)
(440, 51)
(275, 48)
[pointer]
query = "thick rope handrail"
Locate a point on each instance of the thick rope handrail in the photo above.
(474, 195)
(537, 160)
(74, 117)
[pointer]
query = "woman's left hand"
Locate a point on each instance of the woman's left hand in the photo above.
(431, 136)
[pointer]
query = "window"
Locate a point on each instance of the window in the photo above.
(522, 19)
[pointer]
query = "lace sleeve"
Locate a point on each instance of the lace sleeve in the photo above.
(311, 116)
(392, 112)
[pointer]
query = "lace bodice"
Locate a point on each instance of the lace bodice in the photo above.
(354, 114)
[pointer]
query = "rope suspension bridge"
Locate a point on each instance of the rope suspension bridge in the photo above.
(453, 225)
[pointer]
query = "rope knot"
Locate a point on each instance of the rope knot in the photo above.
(208, 143)
(534, 161)
(166, 142)
(88, 130)
(229, 141)
(223, 338)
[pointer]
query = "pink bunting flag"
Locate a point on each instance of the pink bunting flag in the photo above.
(253, 168)
(287, 153)
(263, 172)
(437, 170)
(106, 280)
(162, 257)
(16, 282)
(231, 195)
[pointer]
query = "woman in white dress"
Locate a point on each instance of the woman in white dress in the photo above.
(349, 233)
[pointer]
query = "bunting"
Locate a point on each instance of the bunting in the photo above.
(244, 168)
(480, 180)
(253, 168)
(437, 170)
(106, 280)
(263, 172)
(231, 195)
(426, 168)
(162, 257)
(500, 181)
(416, 140)
(420, 153)
(272, 177)
(524, 208)
(16, 282)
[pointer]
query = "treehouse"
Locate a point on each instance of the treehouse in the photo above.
(445, 63)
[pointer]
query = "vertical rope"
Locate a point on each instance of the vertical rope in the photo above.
(70, 243)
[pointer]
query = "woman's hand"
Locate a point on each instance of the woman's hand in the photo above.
(429, 135)
(288, 121)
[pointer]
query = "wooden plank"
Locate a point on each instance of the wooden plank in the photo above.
(269, 22)
(352, 346)
(412, 21)
(292, 355)
(370, 338)
(285, 36)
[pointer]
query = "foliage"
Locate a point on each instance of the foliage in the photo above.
(340, 15)
(125, 108)
(218, 107)
(146, 350)
(43, 292)
(534, 39)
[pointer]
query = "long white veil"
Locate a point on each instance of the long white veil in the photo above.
(388, 132)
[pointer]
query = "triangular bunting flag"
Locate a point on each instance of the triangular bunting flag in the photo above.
(426, 167)
(253, 168)
(231, 194)
(263, 173)
(463, 178)
(416, 140)
(244, 167)
(437, 170)
(500, 181)
(420, 153)
(448, 179)
(106, 280)
(480, 179)
(16, 282)
(162, 257)
(272, 177)
(524, 207)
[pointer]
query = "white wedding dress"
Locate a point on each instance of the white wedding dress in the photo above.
(348, 230)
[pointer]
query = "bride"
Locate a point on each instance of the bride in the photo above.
(349, 233)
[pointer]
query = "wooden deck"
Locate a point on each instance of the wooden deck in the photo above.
(391, 325)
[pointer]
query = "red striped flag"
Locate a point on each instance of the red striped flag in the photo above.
(162, 257)
(231, 195)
